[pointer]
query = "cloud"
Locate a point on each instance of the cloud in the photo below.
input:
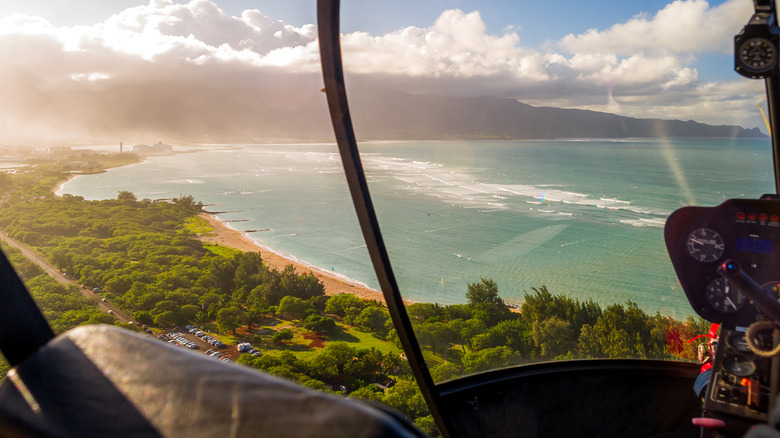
(645, 66)
(162, 37)
(456, 45)
(680, 27)
(647, 58)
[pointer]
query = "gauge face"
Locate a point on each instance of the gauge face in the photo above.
(757, 55)
(723, 297)
(739, 366)
(737, 341)
(705, 245)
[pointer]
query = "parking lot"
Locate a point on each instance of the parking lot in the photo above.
(195, 339)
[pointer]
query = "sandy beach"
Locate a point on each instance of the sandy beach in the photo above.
(227, 236)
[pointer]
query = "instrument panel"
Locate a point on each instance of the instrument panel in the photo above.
(699, 239)
(741, 383)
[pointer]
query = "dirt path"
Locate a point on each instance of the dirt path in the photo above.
(60, 277)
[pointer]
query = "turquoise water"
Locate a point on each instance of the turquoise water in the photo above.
(584, 218)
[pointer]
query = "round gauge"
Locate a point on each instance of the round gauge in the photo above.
(723, 297)
(757, 55)
(739, 366)
(737, 341)
(705, 245)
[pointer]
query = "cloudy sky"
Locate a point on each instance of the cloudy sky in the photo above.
(670, 60)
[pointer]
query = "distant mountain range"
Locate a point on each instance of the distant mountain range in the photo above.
(395, 115)
(181, 112)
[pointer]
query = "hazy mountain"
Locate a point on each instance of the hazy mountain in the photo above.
(181, 112)
(390, 115)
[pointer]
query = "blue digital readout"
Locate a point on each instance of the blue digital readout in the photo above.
(755, 246)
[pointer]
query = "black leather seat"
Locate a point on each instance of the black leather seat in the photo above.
(105, 381)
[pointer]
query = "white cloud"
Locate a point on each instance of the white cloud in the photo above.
(163, 36)
(645, 67)
(647, 56)
(681, 27)
(456, 45)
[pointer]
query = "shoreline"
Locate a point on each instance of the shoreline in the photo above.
(232, 238)
(56, 189)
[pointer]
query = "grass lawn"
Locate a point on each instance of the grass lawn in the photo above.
(362, 339)
(301, 343)
(198, 225)
(220, 250)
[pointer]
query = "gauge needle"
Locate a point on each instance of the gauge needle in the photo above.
(731, 302)
(695, 241)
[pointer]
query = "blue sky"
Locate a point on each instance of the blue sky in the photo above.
(664, 59)
(543, 18)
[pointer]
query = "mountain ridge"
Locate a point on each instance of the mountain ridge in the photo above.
(496, 117)
(188, 112)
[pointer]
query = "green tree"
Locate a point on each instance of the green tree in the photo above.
(318, 323)
(445, 371)
(334, 360)
(374, 319)
(282, 335)
(427, 312)
(483, 292)
(228, 319)
(624, 332)
(125, 195)
(405, 396)
(542, 305)
(428, 425)
(143, 317)
(487, 304)
(168, 318)
(341, 303)
(367, 393)
(467, 330)
(293, 307)
(490, 358)
(436, 335)
(554, 337)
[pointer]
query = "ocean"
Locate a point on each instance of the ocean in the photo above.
(582, 217)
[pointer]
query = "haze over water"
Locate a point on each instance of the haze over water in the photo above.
(585, 218)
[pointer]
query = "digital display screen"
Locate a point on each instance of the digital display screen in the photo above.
(754, 246)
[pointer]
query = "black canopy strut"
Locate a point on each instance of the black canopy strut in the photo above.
(333, 74)
(23, 329)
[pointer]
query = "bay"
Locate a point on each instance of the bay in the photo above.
(582, 217)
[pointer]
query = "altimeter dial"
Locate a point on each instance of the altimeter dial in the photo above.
(739, 366)
(723, 297)
(756, 56)
(705, 245)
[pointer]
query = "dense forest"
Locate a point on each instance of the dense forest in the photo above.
(144, 256)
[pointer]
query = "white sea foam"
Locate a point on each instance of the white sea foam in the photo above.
(462, 189)
(643, 223)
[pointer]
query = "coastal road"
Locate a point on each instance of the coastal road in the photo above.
(60, 277)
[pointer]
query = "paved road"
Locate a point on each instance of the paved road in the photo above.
(57, 275)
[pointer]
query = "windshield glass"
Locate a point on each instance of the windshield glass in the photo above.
(533, 169)
(170, 167)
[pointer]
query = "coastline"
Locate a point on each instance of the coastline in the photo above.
(226, 236)
(56, 189)
(222, 234)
